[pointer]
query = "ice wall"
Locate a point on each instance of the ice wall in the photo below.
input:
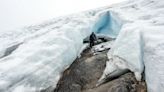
(127, 51)
(37, 63)
(139, 45)
(108, 23)
(32, 59)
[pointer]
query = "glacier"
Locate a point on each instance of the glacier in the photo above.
(139, 46)
(33, 58)
(108, 23)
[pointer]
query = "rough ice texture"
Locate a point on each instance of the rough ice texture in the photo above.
(32, 59)
(139, 45)
(108, 23)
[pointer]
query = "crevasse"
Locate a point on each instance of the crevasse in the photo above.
(108, 23)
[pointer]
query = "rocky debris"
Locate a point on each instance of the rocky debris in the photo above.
(99, 38)
(84, 73)
(125, 83)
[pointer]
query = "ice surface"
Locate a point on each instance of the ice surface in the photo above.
(34, 60)
(108, 23)
(139, 45)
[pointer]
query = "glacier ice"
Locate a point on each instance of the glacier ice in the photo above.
(139, 45)
(108, 23)
(33, 58)
(37, 63)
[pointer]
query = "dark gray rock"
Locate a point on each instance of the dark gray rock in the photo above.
(125, 83)
(84, 73)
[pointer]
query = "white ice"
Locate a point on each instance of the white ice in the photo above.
(33, 58)
(139, 45)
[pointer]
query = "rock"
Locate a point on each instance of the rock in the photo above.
(84, 73)
(125, 83)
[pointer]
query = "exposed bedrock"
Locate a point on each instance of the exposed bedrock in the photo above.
(124, 83)
(84, 73)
